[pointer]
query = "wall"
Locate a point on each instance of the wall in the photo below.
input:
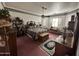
(45, 22)
(1, 7)
(25, 17)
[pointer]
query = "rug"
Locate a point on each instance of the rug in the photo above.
(48, 46)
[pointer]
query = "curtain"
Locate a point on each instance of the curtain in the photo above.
(55, 22)
(58, 21)
(45, 21)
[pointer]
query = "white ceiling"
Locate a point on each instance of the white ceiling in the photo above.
(52, 7)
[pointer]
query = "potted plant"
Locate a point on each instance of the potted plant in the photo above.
(4, 13)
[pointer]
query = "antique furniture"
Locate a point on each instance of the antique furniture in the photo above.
(71, 23)
(18, 25)
(7, 39)
(12, 43)
(76, 33)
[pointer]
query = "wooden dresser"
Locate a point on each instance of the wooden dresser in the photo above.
(7, 39)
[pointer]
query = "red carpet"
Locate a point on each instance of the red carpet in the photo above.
(27, 47)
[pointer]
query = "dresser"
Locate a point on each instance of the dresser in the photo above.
(7, 39)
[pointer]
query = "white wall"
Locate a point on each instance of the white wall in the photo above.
(45, 21)
(1, 7)
(25, 17)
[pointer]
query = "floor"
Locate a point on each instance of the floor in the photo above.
(27, 47)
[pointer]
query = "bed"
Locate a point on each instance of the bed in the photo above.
(36, 32)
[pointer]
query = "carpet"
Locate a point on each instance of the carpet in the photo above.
(28, 47)
(49, 47)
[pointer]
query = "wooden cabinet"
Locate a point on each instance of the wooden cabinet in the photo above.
(7, 40)
(12, 43)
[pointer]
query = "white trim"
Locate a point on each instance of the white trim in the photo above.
(28, 12)
(39, 0)
(64, 13)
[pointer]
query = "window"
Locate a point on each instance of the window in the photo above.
(55, 22)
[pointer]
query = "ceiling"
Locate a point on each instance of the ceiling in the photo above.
(36, 7)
